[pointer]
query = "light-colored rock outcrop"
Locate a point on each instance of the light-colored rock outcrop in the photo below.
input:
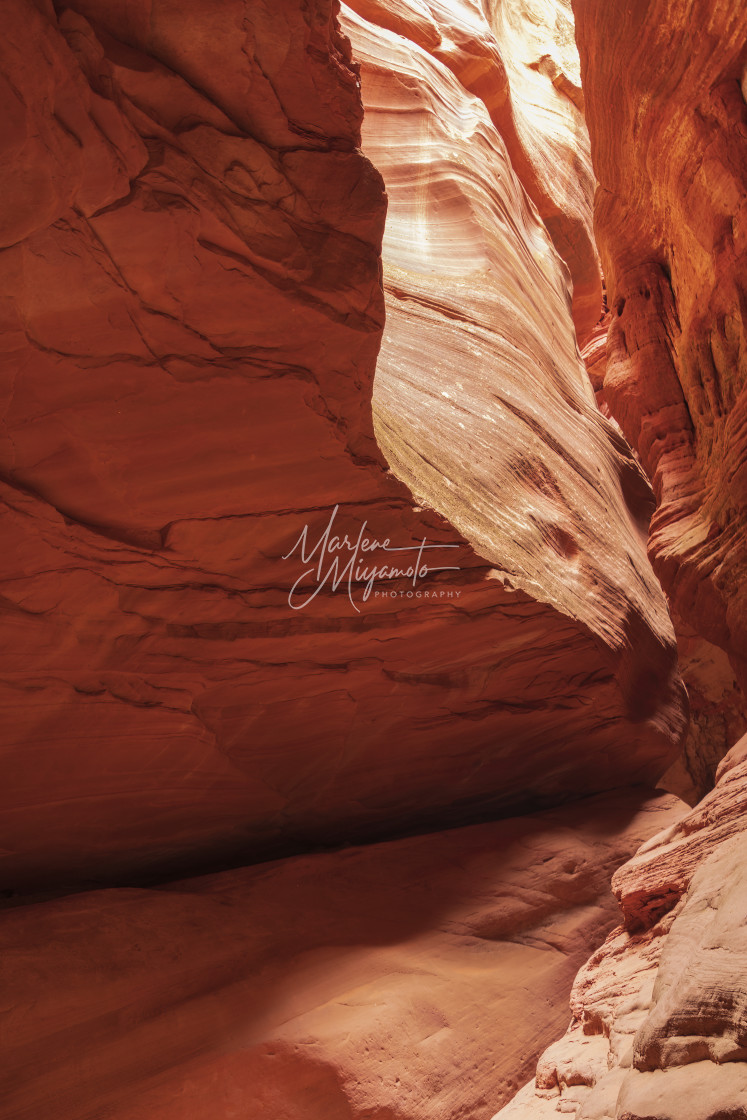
(520, 60)
(411, 979)
(668, 126)
(659, 1028)
(191, 320)
(480, 401)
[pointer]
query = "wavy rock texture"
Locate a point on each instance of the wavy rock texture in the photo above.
(374, 982)
(718, 710)
(659, 1028)
(480, 400)
(192, 319)
(480, 397)
(670, 153)
(520, 60)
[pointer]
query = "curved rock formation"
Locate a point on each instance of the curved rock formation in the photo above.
(718, 710)
(193, 315)
(370, 982)
(522, 63)
(660, 1010)
(480, 402)
(664, 93)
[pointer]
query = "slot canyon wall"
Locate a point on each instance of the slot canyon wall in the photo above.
(670, 214)
(670, 222)
(269, 264)
(658, 1012)
(193, 314)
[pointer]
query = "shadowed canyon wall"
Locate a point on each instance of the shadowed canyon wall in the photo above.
(192, 318)
(670, 154)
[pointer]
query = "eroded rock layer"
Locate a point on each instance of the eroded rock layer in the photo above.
(412, 979)
(520, 61)
(664, 92)
(718, 709)
(480, 401)
(191, 320)
(659, 1028)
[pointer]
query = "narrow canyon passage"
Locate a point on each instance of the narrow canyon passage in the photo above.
(373, 585)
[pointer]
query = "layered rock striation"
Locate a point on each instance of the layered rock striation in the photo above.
(521, 62)
(192, 316)
(658, 1028)
(665, 104)
(480, 402)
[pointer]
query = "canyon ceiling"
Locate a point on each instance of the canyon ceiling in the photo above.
(466, 273)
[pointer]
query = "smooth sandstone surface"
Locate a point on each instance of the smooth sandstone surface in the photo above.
(659, 1028)
(520, 61)
(192, 316)
(670, 153)
(407, 980)
(480, 402)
